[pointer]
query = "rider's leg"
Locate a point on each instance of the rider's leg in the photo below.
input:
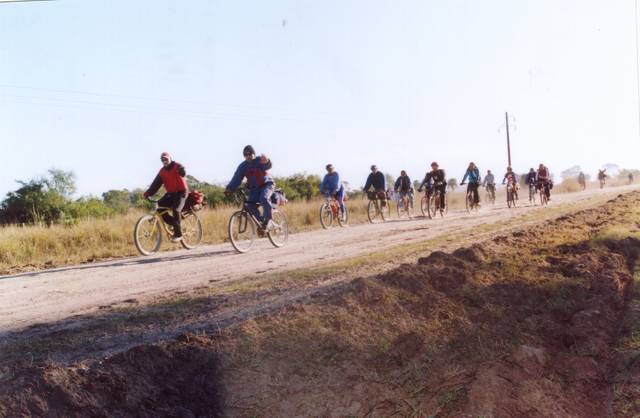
(443, 191)
(476, 195)
(180, 200)
(547, 190)
(252, 201)
(265, 201)
(340, 199)
(166, 201)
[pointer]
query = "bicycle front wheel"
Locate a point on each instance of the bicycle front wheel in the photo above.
(191, 231)
(147, 235)
(373, 212)
(326, 216)
(280, 232)
(242, 231)
(424, 207)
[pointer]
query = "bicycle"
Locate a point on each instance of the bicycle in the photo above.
(330, 210)
(470, 202)
(378, 207)
(244, 227)
(544, 200)
(532, 193)
(147, 234)
(430, 204)
(511, 195)
(404, 205)
(490, 194)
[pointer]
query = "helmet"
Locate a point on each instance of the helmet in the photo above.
(434, 163)
(329, 167)
(165, 155)
(374, 167)
(248, 150)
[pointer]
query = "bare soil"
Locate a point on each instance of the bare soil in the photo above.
(527, 323)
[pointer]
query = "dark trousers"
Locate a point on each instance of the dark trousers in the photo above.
(473, 188)
(174, 201)
(443, 191)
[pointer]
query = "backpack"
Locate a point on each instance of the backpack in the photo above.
(195, 201)
(278, 198)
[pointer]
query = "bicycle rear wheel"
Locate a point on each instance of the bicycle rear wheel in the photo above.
(326, 216)
(242, 231)
(147, 235)
(343, 218)
(280, 233)
(191, 231)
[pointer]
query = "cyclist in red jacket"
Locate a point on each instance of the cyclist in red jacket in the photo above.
(172, 177)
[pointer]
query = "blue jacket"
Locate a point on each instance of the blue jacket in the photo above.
(331, 183)
(376, 180)
(532, 177)
(474, 175)
(254, 171)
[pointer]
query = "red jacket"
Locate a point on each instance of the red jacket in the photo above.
(172, 178)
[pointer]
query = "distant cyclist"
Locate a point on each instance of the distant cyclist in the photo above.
(331, 186)
(602, 177)
(544, 180)
(403, 185)
(171, 176)
(490, 183)
(378, 182)
(260, 185)
(582, 180)
(511, 179)
(532, 177)
(473, 174)
(630, 176)
(435, 180)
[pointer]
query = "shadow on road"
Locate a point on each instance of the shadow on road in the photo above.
(164, 257)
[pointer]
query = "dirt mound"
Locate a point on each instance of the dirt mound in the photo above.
(181, 379)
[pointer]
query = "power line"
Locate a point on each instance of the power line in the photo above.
(88, 105)
(152, 99)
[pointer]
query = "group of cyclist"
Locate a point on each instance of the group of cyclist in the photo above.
(255, 169)
(436, 181)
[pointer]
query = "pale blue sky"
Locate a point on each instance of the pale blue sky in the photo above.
(103, 87)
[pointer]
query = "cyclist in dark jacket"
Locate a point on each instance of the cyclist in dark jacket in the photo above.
(473, 174)
(435, 180)
(378, 182)
(261, 186)
(532, 177)
(403, 184)
(171, 176)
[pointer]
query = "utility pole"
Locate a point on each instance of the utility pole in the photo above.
(506, 118)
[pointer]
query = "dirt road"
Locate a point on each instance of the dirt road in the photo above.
(53, 295)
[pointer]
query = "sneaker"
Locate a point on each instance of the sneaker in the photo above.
(270, 226)
(176, 239)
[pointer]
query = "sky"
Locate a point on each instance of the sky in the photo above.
(101, 88)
